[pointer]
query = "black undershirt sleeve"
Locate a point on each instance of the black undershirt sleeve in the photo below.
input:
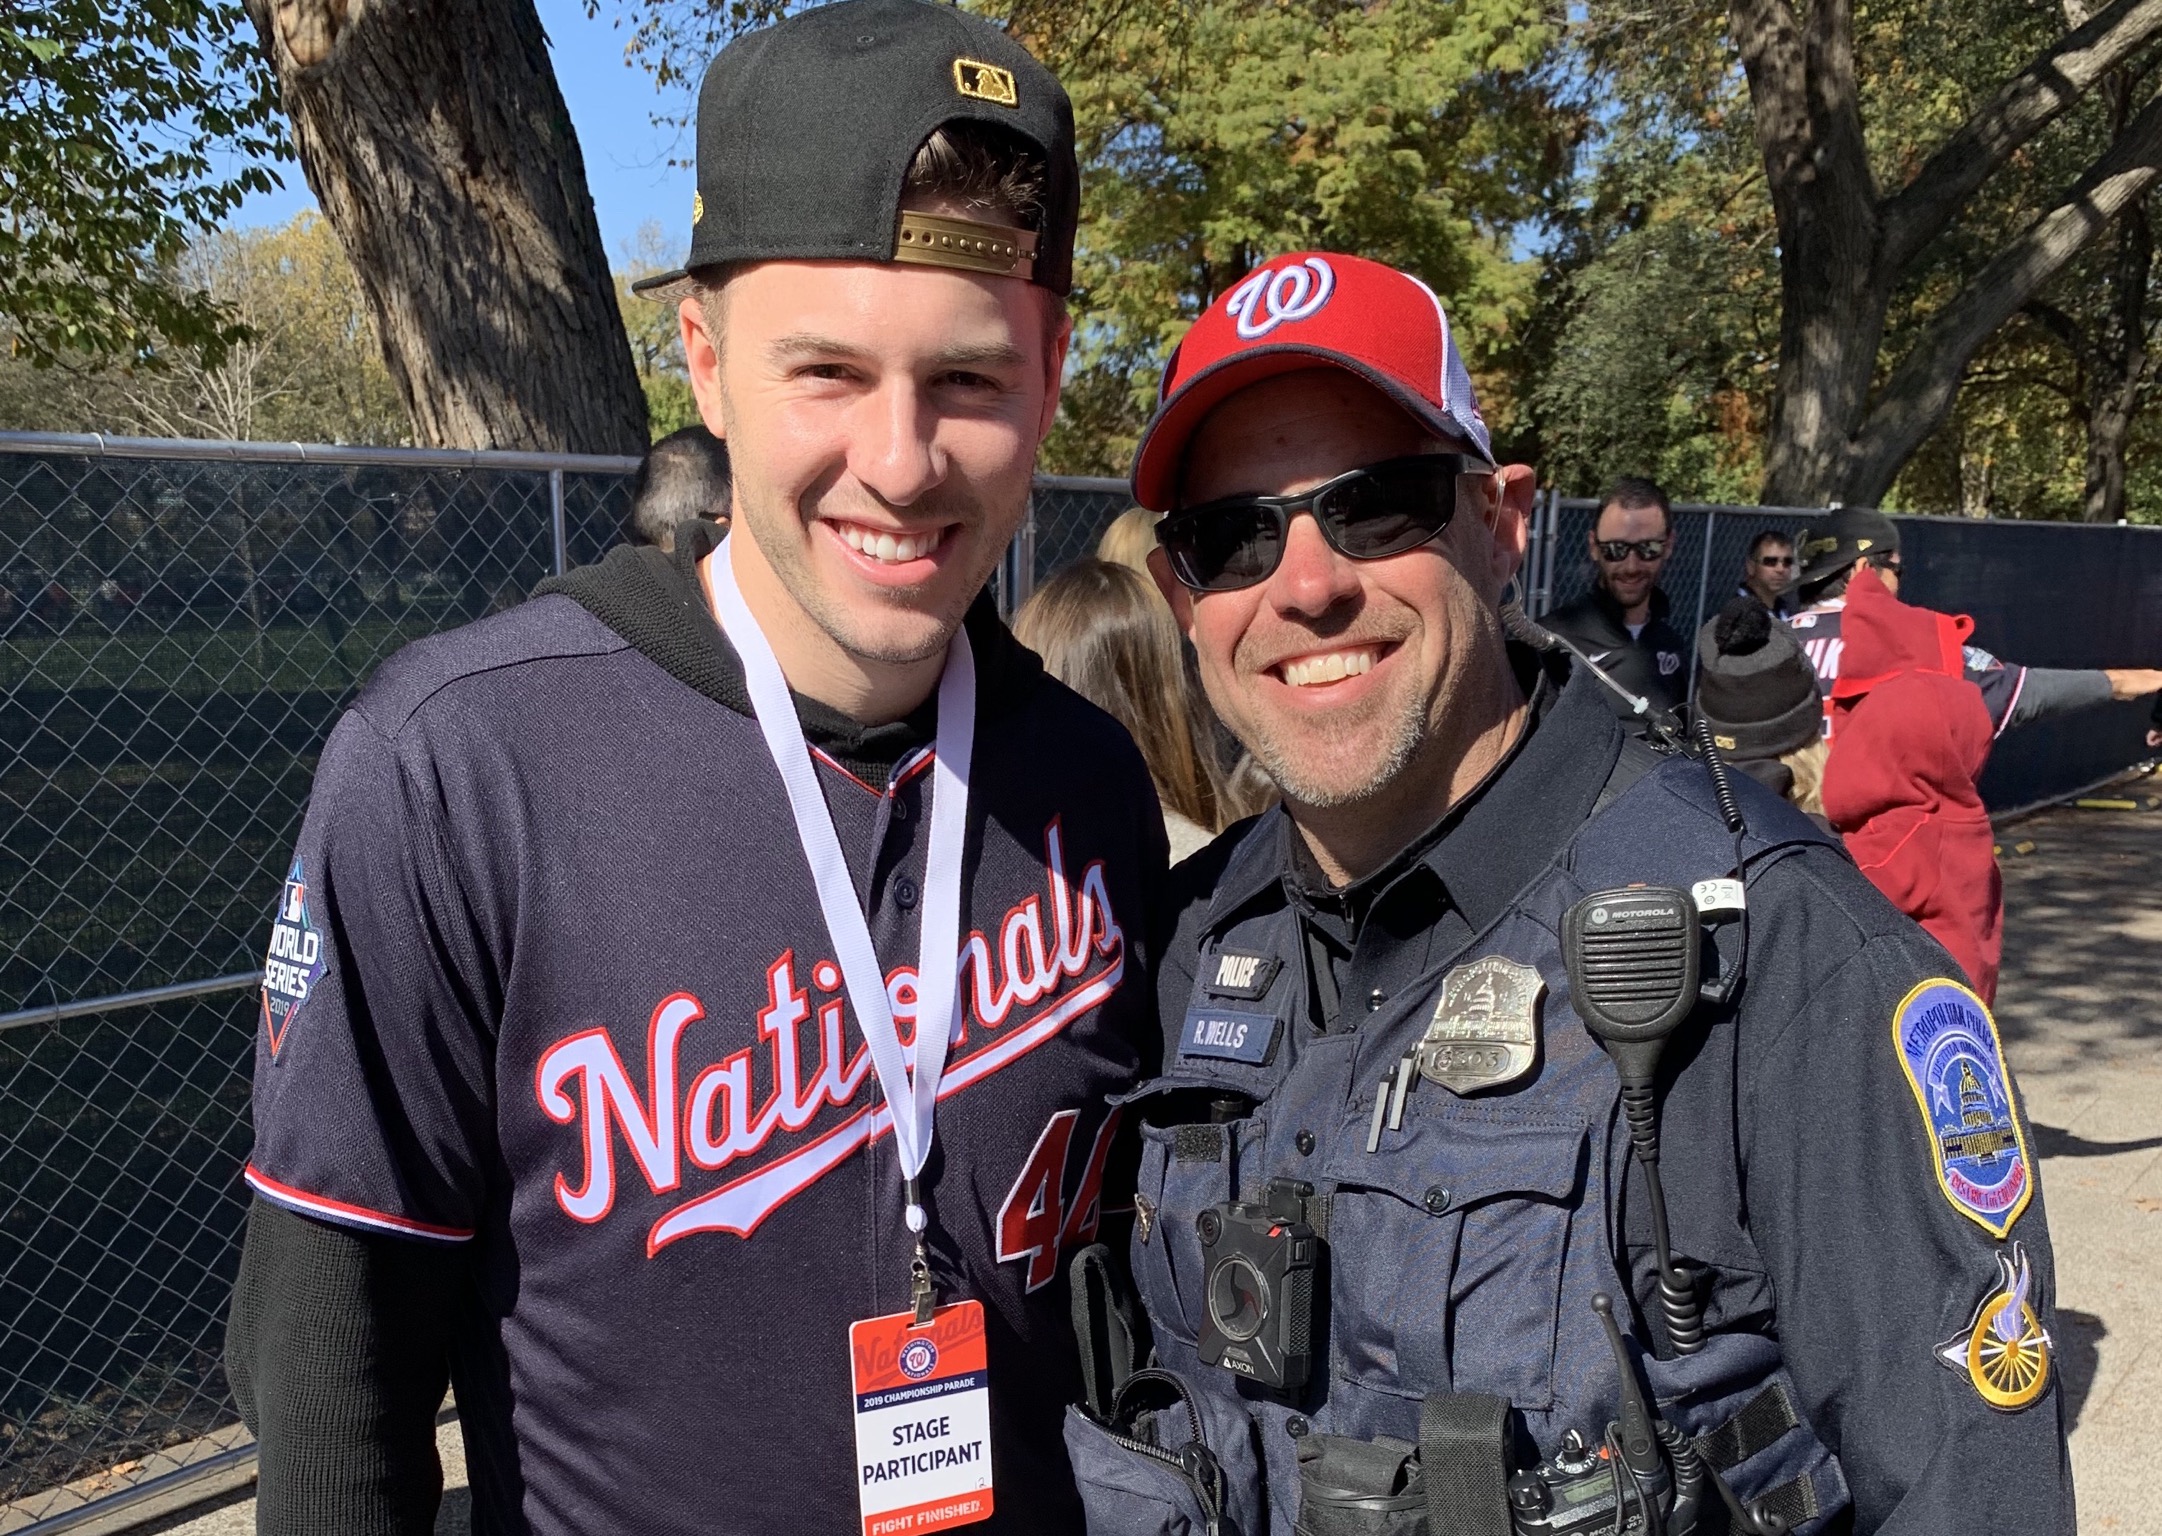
(337, 1353)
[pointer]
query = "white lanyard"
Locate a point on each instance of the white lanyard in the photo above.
(912, 1099)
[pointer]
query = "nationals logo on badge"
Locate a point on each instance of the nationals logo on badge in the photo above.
(918, 1359)
(295, 963)
(1948, 1046)
(2005, 1352)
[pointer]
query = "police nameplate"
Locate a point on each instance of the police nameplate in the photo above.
(1485, 1030)
(1947, 1043)
(1229, 1034)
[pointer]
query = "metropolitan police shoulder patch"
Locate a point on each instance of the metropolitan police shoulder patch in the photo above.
(295, 963)
(1948, 1046)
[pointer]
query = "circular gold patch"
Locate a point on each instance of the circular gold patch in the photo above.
(2008, 1373)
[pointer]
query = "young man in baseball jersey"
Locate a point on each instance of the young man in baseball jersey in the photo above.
(697, 991)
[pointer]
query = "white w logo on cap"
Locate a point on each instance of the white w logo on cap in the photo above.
(1270, 298)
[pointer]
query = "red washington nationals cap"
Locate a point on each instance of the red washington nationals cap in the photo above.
(1292, 312)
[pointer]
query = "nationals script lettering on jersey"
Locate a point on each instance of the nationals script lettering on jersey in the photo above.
(1072, 941)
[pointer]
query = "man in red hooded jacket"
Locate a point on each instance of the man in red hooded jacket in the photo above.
(1910, 734)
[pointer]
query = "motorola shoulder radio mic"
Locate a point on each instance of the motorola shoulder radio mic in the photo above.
(1632, 956)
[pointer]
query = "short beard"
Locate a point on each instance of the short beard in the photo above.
(1404, 744)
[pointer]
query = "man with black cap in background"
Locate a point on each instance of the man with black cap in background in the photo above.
(2014, 695)
(696, 996)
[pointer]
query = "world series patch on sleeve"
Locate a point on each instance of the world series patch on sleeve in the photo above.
(1954, 1062)
(923, 1420)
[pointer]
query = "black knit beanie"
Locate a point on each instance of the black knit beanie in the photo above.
(1755, 688)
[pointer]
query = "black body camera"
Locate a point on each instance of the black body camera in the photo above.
(1257, 1264)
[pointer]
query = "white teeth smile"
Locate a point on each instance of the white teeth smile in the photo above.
(889, 548)
(1313, 671)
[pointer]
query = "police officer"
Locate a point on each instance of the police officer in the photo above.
(1391, 1171)
(1621, 624)
(692, 1007)
(1849, 537)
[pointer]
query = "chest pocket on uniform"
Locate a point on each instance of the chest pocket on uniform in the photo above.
(1447, 1248)
(1184, 1170)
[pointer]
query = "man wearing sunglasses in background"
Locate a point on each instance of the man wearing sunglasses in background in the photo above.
(1621, 624)
(1768, 572)
(1385, 1199)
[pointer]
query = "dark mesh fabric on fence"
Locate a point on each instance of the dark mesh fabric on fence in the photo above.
(176, 640)
(1070, 516)
(2048, 595)
(177, 636)
(596, 515)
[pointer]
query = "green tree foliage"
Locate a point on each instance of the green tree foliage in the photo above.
(1217, 133)
(1679, 170)
(656, 339)
(124, 130)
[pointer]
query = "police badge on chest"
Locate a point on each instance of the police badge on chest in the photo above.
(1485, 1029)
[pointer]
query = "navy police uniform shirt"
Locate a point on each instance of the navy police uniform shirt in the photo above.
(550, 979)
(1843, 1146)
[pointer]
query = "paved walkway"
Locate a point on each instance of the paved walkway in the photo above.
(2080, 1004)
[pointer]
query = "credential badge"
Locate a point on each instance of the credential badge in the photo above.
(985, 82)
(1485, 1030)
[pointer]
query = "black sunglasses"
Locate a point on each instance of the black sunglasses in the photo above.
(1778, 560)
(1365, 514)
(1615, 551)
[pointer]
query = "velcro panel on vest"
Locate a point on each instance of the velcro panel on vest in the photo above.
(1460, 1463)
(1768, 1415)
(1198, 1143)
(1793, 1502)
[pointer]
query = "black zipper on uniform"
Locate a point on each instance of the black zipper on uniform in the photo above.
(1194, 1459)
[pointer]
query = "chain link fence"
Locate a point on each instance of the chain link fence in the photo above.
(180, 625)
(178, 633)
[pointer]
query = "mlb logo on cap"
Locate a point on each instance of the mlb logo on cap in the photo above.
(1296, 311)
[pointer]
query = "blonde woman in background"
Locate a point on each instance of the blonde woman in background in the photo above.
(1105, 632)
(1241, 789)
(1129, 539)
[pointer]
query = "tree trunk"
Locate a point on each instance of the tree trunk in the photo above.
(1845, 250)
(434, 137)
(2119, 384)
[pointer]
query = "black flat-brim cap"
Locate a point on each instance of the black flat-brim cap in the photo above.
(1845, 535)
(806, 129)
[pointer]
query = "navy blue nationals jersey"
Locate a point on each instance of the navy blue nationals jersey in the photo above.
(550, 980)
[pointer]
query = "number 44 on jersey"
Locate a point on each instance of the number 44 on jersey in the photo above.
(1037, 1223)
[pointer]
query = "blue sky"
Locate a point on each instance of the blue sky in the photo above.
(612, 105)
